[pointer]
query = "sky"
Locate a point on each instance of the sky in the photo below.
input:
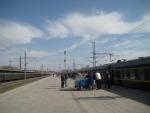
(45, 28)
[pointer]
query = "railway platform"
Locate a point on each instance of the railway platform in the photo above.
(46, 96)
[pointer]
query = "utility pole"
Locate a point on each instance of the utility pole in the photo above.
(65, 59)
(25, 66)
(74, 65)
(94, 54)
(20, 63)
(42, 69)
(110, 55)
(60, 67)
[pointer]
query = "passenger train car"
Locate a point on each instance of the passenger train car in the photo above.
(9, 75)
(133, 73)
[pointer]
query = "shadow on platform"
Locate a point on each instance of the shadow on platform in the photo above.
(68, 89)
(134, 94)
(99, 98)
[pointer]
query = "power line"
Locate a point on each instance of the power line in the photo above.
(136, 28)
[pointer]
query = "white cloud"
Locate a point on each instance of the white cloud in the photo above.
(94, 26)
(12, 33)
(142, 25)
(58, 30)
(91, 27)
(37, 53)
(134, 54)
(87, 27)
(73, 46)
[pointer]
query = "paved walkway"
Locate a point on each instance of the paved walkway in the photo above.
(45, 96)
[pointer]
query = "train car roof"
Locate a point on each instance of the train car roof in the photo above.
(143, 61)
(8, 70)
(101, 67)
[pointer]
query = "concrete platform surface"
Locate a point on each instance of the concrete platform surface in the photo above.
(46, 96)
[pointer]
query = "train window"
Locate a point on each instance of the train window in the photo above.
(141, 74)
(115, 74)
(118, 74)
(128, 74)
(2, 76)
(125, 74)
(147, 74)
(136, 74)
(122, 74)
(132, 74)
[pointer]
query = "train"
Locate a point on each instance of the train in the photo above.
(132, 73)
(11, 75)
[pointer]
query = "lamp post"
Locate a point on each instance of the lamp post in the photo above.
(25, 67)
(65, 59)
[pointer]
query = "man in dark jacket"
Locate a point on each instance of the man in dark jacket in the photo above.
(90, 80)
(65, 79)
(62, 80)
(107, 80)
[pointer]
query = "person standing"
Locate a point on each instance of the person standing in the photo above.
(65, 79)
(62, 81)
(105, 79)
(108, 80)
(90, 80)
(98, 80)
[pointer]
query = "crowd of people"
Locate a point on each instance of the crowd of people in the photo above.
(94, 80)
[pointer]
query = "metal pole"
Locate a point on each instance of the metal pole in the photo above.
(42, 69)
(110, 55)
(94, 54)
(59, 67)
(25, 68)
(20, 63)
(74, 64)
(65, 59)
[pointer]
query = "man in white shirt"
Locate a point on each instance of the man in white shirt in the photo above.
(98, 80)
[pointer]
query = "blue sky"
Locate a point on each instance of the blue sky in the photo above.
(45, 28)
